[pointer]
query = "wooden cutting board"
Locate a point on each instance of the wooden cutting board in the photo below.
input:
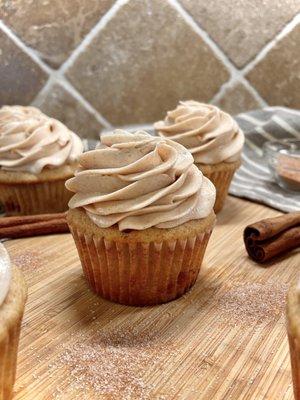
(225, 339)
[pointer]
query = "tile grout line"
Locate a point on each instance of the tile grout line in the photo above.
(57, 76)
(271, 44)
(256, 60)
(239, 75)
(233, 82)
(61, 81)
(54, 76)
(204, 36)
(235, 74)
(92, 34)
(26, 49)
(78, 96)
(223, 89)
(43, 92)
(255, 93)
(60, 78)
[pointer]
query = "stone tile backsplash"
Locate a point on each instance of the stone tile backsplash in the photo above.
(53, 28)
(20, 77)
(277, 75)
(242, 27)
(60, 104)
(94, 64)
(143, 61)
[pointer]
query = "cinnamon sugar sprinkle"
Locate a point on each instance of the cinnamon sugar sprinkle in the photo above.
(252, 303)
(100, 363)
(113, 364)
(27, 261)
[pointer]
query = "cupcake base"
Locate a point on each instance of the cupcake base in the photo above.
(26, 194)
(140, 267)
(220, 175)
(293, 330)
(11, 313)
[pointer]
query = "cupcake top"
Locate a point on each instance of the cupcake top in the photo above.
(5, 273)
(138, 181)
(31, 141)
(211, 135)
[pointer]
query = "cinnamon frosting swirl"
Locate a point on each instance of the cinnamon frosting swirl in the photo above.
(138, 181)
(211, 135)
(31, 141)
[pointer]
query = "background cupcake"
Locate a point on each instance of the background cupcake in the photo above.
(37, 155)
(141, 218)
(13, 293)
(213, 138)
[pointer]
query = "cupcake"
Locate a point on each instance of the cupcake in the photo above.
(37, 155)
(141, 218)
(213, 138)
(293, 329)
(13, 293)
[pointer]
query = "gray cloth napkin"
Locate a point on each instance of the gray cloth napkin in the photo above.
(253, 180)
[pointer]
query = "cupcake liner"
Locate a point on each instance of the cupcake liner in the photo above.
(11, 313)
(8, 361)
(221, 178)
(293, 331)
(295, 363)
(140, 273)
(35, 198)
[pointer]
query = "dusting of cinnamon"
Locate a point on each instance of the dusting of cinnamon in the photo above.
(113, 363)
(28, 261)
(252, 304)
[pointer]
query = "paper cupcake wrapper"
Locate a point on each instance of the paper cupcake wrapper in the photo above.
(295, 363)
(140, 273)
(35, 198)
(221, 180)
(8, 361)
(10, 334)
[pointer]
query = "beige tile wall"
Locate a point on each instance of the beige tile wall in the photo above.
(103, 63)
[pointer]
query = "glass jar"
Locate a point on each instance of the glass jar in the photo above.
(283, 158)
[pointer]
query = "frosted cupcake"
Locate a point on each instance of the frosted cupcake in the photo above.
(213, 138)
(141, 218)
(37, 155)
(13, 293)
(293, 328)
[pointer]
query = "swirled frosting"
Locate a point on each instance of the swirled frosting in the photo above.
(5, 273)
(211, 135)
(138, 181)
(31, 141)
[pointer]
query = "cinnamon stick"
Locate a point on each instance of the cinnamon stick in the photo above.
(29, 219)
(272, 236)
(34, 225)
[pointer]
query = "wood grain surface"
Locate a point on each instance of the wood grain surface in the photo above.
(197, 347)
